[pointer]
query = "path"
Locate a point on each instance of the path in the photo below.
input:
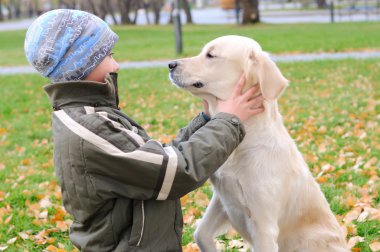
(277, 58)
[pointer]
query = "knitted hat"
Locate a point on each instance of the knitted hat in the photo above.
(66, 45)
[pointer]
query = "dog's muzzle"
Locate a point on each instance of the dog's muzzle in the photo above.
(174, 77)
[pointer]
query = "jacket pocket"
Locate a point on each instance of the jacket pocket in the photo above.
(138, 223)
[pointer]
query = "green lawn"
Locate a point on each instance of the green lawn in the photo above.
(331, 109)
(157, 42)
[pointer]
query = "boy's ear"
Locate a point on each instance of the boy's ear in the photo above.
(271, 80)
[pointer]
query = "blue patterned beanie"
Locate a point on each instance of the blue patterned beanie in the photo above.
(66, 45)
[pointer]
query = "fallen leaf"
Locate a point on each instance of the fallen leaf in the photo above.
(51, 248)
(11, 241)
(45, 203)
(352, 215)
(8, 219)
(354, 240)
(375, 246)
(23, 235)
(191, 247)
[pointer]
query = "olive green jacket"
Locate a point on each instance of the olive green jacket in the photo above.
(121, 187)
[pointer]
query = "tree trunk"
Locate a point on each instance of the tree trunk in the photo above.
(250, 11)
(125, 7)
(186, 7)
(10, 12)
(93, 7)
(156, 6)
(1, 11)
(321, 4)
(107, 9)
(146, 10)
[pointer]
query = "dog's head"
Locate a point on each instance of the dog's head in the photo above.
(215, 71)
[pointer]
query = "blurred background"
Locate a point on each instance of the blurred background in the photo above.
(328, 49)
(140, 12)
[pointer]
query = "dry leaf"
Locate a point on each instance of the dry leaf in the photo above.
(45, 203)
(23, 235)
(354, 240)
(352, 215)
(375, 246)
(11, 241)
(191, 247)
(7, 220)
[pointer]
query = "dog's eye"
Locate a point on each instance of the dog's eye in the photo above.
(210, 56)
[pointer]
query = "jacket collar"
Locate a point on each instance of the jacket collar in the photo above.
(84, 93)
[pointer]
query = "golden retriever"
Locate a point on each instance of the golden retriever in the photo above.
(265, 189)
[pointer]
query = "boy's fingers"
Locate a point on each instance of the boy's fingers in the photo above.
(248, 95)
(257, 111)
(239, 87)
(256, 102)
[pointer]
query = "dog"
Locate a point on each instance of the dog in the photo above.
(264, 190)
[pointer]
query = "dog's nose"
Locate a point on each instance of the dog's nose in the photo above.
(173, 65)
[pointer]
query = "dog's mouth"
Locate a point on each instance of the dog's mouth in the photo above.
(198, 84)
(180, 82)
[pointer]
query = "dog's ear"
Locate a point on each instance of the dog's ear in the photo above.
(271, 80)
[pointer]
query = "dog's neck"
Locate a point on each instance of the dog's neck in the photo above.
(269, 118)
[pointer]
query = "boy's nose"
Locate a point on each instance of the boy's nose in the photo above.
(173, 65)
(117, 66)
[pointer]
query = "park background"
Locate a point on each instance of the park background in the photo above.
(329, 50)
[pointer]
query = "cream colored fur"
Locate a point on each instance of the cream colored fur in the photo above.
(265, 189)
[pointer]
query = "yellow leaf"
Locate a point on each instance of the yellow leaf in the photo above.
(191, 247)
(2, 248)
(7, 220)
(23, 235)
(50, 240)
(375, 246)
(3, 131)
(322, 179)
(11, 241)
(62, 226)
(51, 248)
(25, 161)
(201, 199)
(184, 200)
(353, 241)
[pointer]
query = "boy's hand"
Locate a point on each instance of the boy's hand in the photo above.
(242, 105)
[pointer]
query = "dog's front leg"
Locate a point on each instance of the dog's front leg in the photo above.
(213, 223)
(265, 235)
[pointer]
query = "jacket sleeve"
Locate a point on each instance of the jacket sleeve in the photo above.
(152, 171)
(185, 133)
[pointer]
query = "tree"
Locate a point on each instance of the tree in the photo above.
(1, 11)
(321, 4)
(156, 6)
(125, 8)
(186, 6)
(251, 12)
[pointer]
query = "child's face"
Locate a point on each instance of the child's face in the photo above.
(108, 65)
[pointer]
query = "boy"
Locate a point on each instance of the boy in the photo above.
(121, 187)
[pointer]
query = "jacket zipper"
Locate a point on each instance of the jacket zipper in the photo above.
(143, 223)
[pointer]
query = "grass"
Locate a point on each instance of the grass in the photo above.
(157, 42)
(331, 109)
